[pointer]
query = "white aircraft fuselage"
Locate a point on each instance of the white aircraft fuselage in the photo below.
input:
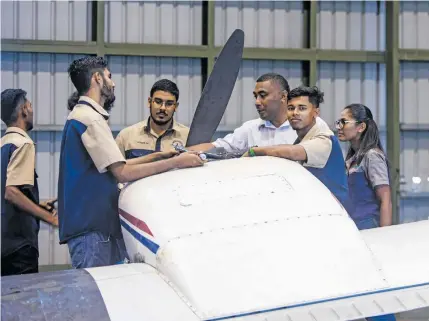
(262, 237)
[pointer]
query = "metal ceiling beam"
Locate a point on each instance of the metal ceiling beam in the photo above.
(48, 46)
(392, 102)
(188, 51)
(414, 54)
(156, 50)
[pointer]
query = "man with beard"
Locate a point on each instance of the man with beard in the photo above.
(91, 165)
(316, 148)
(160, 131)
(21, 210)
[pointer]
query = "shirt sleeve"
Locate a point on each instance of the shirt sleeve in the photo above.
(376, 169)
(318, 150)
(120, 142)
(20, 170)
(101, 146)
(234, 142)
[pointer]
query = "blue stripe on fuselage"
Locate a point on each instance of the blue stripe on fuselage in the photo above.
(153, 247)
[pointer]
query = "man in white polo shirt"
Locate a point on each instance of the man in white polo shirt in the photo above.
(271, 128)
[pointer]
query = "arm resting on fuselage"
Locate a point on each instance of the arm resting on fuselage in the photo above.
(154, 157)
(201, 147)
(292, 152)
(126, 173)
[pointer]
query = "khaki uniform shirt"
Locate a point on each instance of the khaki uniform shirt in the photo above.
(139, 139)
(18, 160)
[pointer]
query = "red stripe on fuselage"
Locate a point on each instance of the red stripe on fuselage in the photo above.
(135, 221)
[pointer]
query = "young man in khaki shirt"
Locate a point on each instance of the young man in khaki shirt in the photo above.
(156, 135)
(21, 210)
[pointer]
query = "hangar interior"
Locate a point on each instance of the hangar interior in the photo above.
(373, 52)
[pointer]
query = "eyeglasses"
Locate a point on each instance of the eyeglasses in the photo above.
(339, 124)
(160, 102)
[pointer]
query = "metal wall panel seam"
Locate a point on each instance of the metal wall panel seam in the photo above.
(392, 93)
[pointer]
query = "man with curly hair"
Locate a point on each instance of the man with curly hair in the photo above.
(91, 166)
(316, 148)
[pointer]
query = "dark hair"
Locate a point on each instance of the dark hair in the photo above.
(82, 69)
(370, 137)
(315, 96)
(11, 100)
(279, 79)
(73, 100)
(167, 86)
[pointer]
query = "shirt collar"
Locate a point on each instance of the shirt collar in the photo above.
(317, 129)
(95, 105)
(17, 130)
(268, 124)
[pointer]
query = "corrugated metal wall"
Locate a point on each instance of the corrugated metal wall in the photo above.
(353, 25)
(46, 20)
(265, 23)
(161, 22)
(413, 25)
(279, 24)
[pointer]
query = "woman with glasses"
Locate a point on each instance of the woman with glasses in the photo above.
(368, 173)
(367, 168)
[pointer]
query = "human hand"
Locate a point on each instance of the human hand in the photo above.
(189, 159)
(167, 154)
(49, 205)
(54, 220)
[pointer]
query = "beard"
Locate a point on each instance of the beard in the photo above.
(160, 122)
(29, 126)
(109, 97)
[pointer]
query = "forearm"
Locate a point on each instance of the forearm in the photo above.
(16, 197)
(291, 152)
(144, 159)
(385, 213)
(127, 173)
(201, 147)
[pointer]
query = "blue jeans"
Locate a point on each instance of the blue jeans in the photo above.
(364, 224)
(96, 249)
(367, 223)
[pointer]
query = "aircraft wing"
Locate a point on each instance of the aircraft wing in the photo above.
(114, 293)
(138, 292)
